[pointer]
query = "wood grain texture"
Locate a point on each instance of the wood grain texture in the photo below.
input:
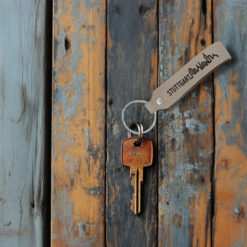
(78, 120)
(131, 74)
(22, 123)
(185, 130)
(230, 223)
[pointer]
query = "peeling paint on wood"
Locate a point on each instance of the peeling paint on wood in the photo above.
(22, 123)
(78, 144)
(185, 131)
(230, 224)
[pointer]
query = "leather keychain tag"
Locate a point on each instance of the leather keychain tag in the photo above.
(183, 81)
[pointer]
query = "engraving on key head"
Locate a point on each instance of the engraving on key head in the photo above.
(136, 157)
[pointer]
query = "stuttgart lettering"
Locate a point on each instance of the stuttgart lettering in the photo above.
(191, 72)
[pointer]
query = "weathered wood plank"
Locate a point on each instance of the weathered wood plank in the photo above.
(230, 224)
(22, 123)
(185, 131)
(78, 121)
(132, 74)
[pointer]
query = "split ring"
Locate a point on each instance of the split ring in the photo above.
(140, 132)
(133, 131)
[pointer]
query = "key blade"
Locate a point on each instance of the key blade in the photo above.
(134, 183)
(136, 175)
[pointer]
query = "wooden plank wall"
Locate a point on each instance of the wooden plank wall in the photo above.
(24, 158)
(105, 54)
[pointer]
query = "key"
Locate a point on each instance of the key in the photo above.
(136, 158)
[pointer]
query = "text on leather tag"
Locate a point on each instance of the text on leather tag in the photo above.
(183, 81)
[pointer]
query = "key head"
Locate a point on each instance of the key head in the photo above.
(137, 156)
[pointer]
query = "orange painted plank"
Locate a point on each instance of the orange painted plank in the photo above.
(185, 151)
(230, 222)
(78, 123)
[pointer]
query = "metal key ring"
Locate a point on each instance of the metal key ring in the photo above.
(140, 130)
(133, 131)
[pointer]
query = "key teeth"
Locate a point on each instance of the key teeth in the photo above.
(133, 210)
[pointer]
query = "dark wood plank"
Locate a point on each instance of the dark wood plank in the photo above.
(78, 154)
(185, 130)
(22, 124)
(131, 74)
(230, 223)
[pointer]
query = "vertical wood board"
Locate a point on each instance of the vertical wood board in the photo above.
(131, 74)
(230, 223)
(185, 131)
(22, 123)
(78, 144)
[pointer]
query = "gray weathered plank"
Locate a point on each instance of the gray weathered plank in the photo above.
(185, 130)
(131, 74)
(22, 128)
(230, 222)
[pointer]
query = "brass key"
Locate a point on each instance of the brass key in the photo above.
(136, 157)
